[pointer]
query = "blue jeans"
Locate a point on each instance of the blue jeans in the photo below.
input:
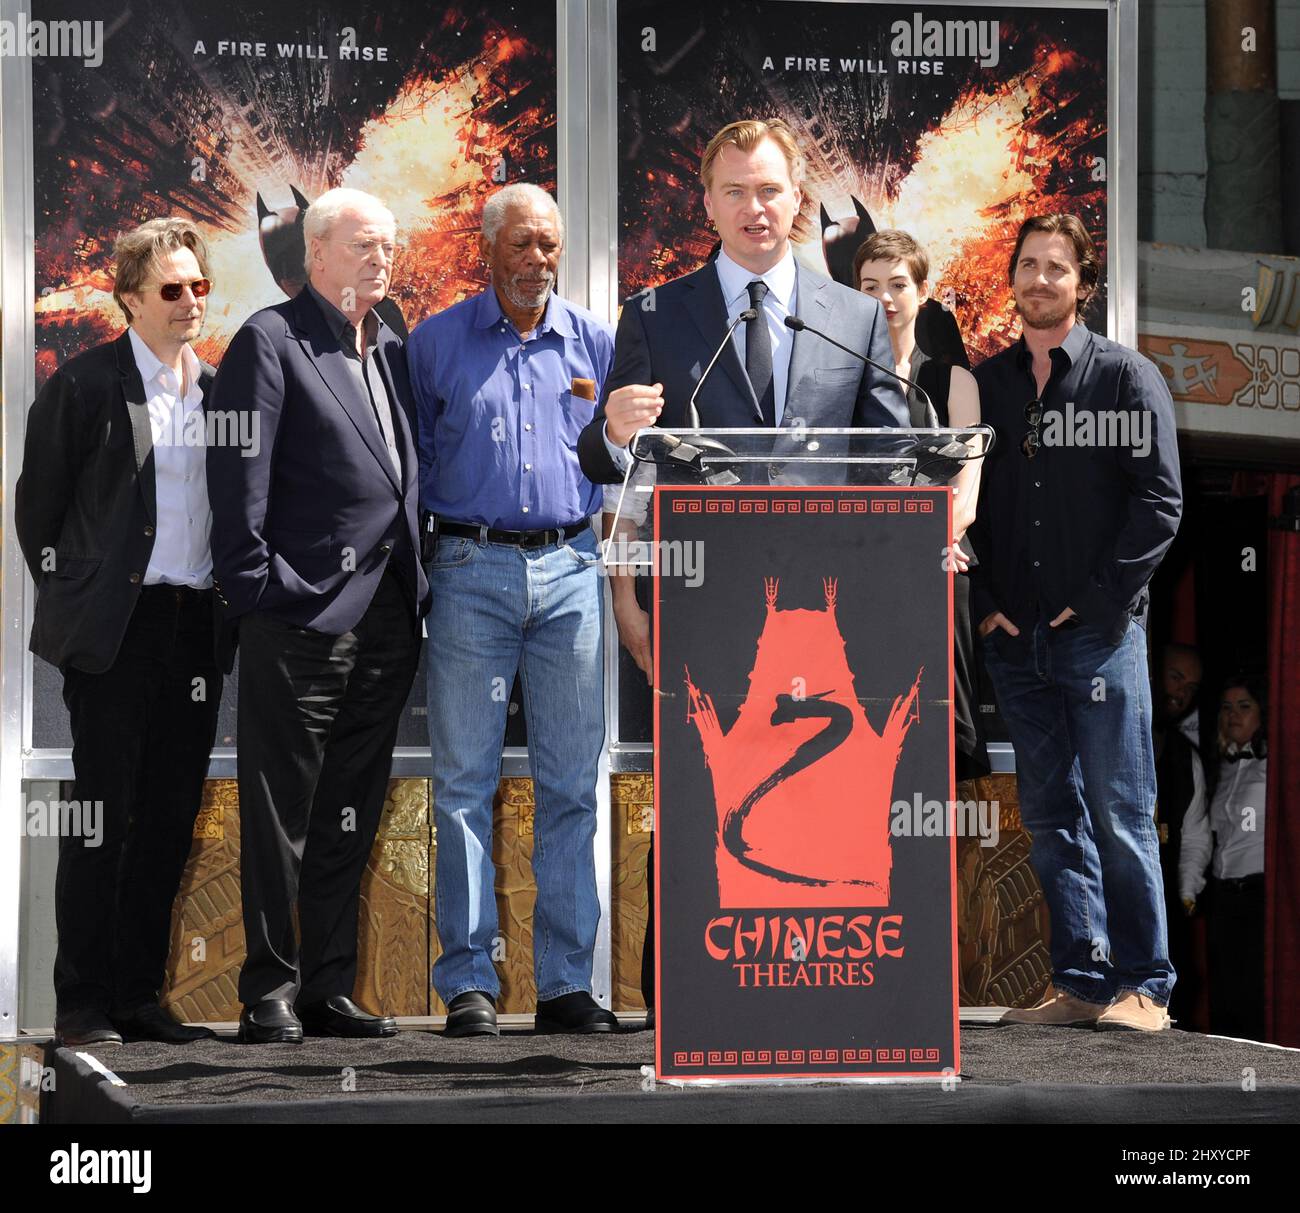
(1079, 714)
(496, 610)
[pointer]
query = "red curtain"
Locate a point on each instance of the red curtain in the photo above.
(1282, 803)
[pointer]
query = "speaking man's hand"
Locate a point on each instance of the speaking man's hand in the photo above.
(631, 408)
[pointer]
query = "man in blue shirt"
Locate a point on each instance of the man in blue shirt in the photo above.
(1079, 501)
(504, 384)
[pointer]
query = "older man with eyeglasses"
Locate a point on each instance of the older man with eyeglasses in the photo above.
(317, 564)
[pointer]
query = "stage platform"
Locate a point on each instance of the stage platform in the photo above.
(1010, 1075)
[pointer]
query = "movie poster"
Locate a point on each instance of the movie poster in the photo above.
(803, 784)
(236, 114)
(953, 122)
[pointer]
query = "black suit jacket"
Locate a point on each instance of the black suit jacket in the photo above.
(85, 507)
(667, 335)
(304, 527)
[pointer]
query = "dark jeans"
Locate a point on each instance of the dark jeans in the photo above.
(142, 732)
(1079, 713)
(1236, 946)
(318, 718)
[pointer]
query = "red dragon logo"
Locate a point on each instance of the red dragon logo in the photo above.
(802, 782)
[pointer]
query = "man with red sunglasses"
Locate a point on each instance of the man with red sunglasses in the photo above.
(112, 515)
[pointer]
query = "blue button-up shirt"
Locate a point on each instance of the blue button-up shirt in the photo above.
(498, 420)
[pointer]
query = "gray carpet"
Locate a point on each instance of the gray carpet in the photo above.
(423, 1066)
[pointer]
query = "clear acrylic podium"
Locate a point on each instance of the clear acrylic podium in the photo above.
(780, 458)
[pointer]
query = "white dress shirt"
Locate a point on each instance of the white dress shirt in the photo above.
(1236, 822)
(181, 552)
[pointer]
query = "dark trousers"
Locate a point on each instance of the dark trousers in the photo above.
(318, 718)
(1236, 946)
(142, 733)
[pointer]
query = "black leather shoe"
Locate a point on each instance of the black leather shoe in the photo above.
(270, 1022)
(152, 1022)
(471, 1014)
(339, 1016)
(577, 1012)
(78, 1028)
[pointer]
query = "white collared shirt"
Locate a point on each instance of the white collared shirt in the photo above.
(181, 552)
(780, 302)
(1230, 835)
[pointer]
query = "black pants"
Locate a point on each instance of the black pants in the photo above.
(318, 718)
(142, 733)
(1236, 947)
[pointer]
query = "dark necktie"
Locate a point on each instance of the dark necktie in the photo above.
(758, 354)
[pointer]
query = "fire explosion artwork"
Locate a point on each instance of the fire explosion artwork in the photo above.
(237, 114)
(951, 122)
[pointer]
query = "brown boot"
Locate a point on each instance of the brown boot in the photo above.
(1134, 1012)
(1057, 1010)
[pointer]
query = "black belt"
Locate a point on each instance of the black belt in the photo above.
(519, 539)
(180, 593)
(1240, 884)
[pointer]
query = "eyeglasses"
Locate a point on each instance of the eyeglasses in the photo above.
(171, 291)
(1032, 441)
(366, 248)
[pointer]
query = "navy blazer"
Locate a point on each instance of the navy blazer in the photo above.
(668, 334)
(86, 508)
(304, 527)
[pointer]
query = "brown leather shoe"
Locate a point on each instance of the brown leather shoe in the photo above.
(1134, 1012)
(1057, 1010)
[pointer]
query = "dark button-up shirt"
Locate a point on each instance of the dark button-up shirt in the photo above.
(498, 419)
(365, 370)
(1084, 523)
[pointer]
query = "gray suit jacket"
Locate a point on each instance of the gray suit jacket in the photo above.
(668, 334)
(85, 506)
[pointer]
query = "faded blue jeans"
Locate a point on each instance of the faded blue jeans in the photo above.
(498, 609)
(1079, 713)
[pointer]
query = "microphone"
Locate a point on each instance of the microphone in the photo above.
(799, 326)
(704, 458)
(693, 414)
(949, 452)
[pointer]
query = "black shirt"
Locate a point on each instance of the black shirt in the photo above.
(1085, 522)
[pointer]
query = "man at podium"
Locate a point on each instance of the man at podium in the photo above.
(735, 307)
(767, 375)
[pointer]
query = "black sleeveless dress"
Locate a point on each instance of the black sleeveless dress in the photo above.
(972, 758)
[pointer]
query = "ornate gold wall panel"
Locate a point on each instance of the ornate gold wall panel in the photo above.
(8, 1084)
(1001, 917)
(1002, 925)
(632, 798)
(207, 944)
(395, 919)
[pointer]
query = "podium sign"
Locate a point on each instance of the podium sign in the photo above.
(805, 855)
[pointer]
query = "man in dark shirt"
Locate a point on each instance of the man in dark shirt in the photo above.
(1080, 499)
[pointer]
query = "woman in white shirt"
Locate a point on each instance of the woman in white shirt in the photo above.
(1230, 840)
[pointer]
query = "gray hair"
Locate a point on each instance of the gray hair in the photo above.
(519, 194)
(325, 212)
